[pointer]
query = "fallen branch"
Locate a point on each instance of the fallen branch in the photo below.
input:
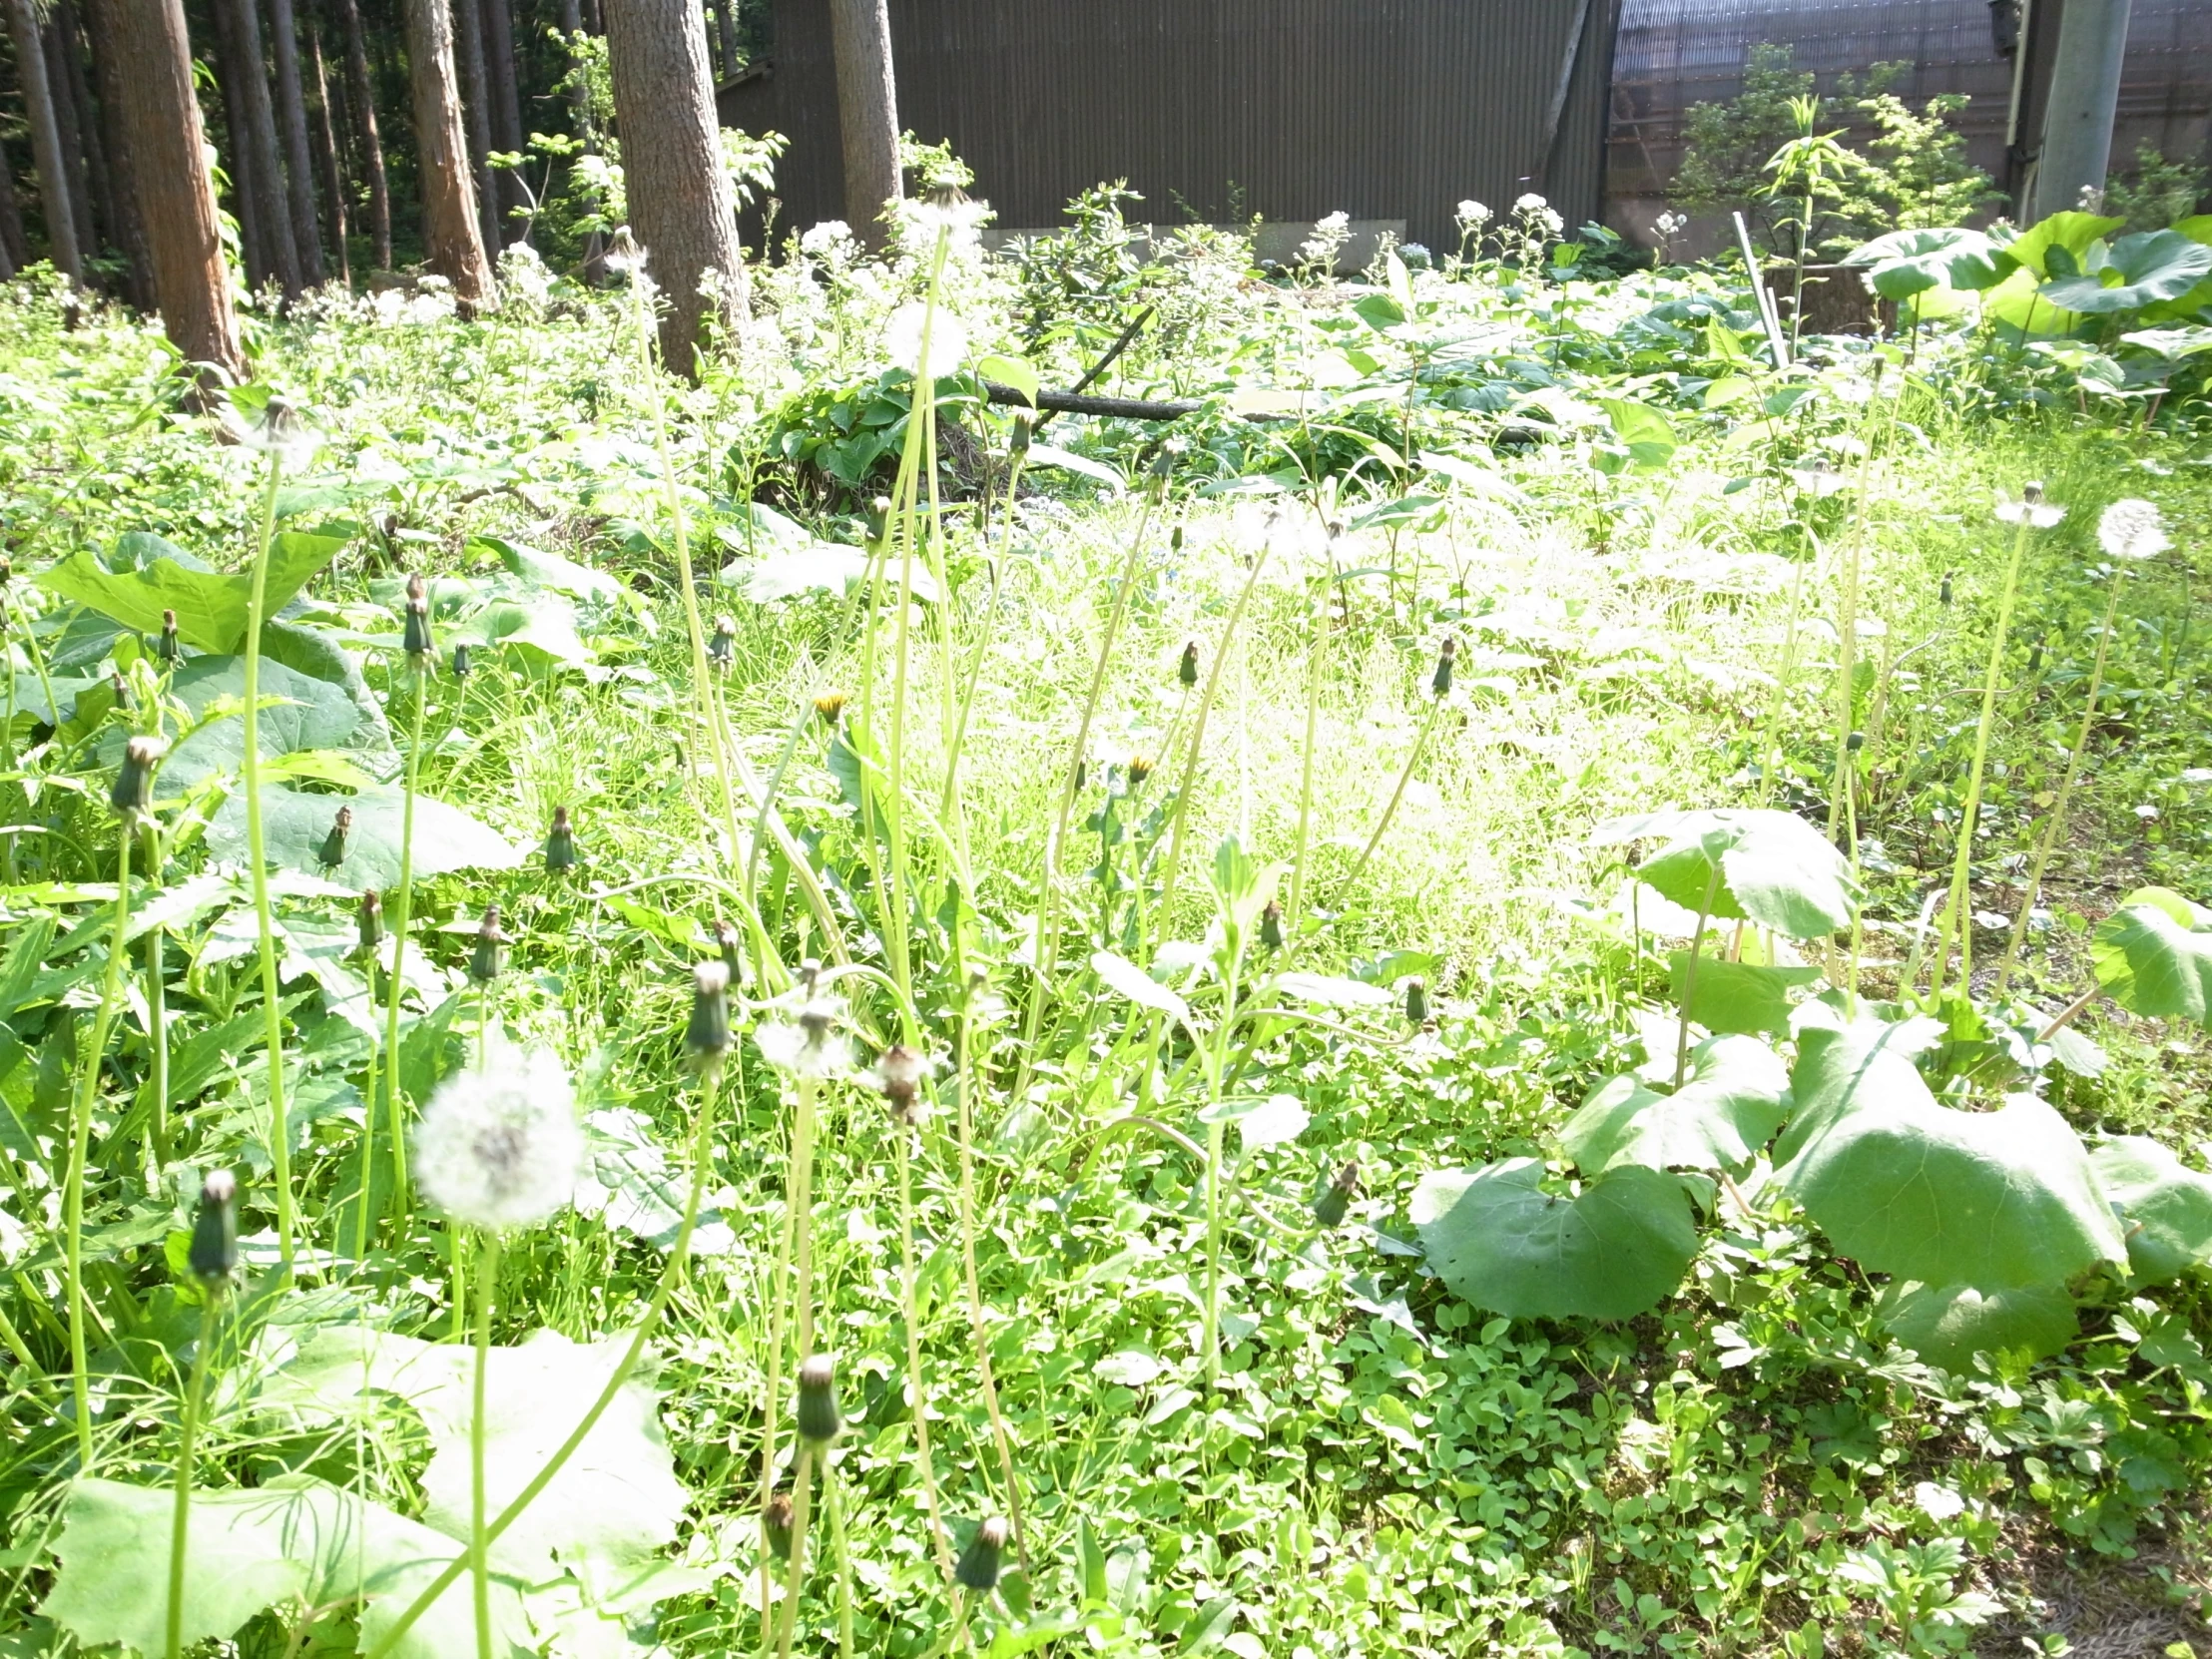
(1068, 402)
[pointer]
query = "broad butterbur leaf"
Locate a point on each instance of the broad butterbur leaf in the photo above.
(2153, 955)
(296, 831)
(210, 607)
(1905, 263)
(1995, 1200)
(1728, 1107)
(1947, 1324)
(1499, 1240)
(2140, 271)
(312, 714)
(1743, 997)
(1775, 868)
(2165, 1206)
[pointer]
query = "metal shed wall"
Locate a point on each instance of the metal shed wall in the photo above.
(1291, 109)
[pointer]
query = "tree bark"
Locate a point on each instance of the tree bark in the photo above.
(291, 109)
(129, 214)
(726, 30)
(468, 58)
(254, 131)
(91, 189)
(680, 204)
(14, 255)
(505, 101)
(163, 131)
(238, 153)
(364, 132)
(868, 112)
(48, 158)
(328, 167)
(578, 100)
(450, 232)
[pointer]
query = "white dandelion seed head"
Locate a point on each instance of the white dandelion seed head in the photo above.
(623, 253)
(499, 1146)
(948, 340)
(806, 1041)
(1818, 479)
(2032, 511)
(950, 210)
(2132, 529)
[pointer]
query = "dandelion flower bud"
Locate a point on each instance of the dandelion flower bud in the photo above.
(484, 960)
(215, 1231)
(167, 646)
(132, 794)
(1441, 682)
(879, 517)
(1270, 925)
(372, 922)
(499, 1146)
(1018, 444)
(1186, 671)
(1139, 770)
(1337, 1196)
(776, 1521)
(818, 1401)
(560, 843)
(706, 1038)
(1175, 539)
(462, 661)
(2132, 529)
(1416, 1002)
(1943, 593)
(722, 648)
(332, 850)
(980, 1562)
(417, 641)
(1082, 775)
(726, 940)
(829, 705)
(1854, 743)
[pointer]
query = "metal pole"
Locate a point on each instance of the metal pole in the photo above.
(2084, 94)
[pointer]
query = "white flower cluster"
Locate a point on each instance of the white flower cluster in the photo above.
(499, 1146)
(2132, 529)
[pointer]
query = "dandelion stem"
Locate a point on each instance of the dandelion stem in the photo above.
(967, 1081)
(795, 1571)
(917, 1383)
(79, 1144)
(834, 1503)
(1389, 810)
(1191, 756)
(402, 907)
(2058, 825)
(1315, 661)
(188, 1429)
(479, 1559)
(257, 857)
(157, 1011)
(702, 1164)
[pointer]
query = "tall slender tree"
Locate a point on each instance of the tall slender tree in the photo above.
(292, 110)
(92, 193)
(253, 132)
(48, 158)
(469, 57)
(238, 152)
(362, 98)
(725, 31)
(449, 200)
(176, 195)
(329, 169)
(130, 214)
(680, 203)
(14, 253)
(505, 100)
(868, 112)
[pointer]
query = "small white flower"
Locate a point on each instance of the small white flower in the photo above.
(1331, 224)
(1470, 212)
(830, 237)
(2132, 529)
(1937, 1502)
(499, 1146)
(1818, 479)
(1529, 204)
(948, 340)
(808, 1041)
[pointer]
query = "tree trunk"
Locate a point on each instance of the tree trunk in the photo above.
(680, 203)
(14, 254)
(253, 132)
(292, 108)
(468, 58)
(129, 225)
(868, 112)
(364, 132)
(163, 131)
(578, 100)
(47, 155)
(450, 232)
(506, 98)
(332, 173)
(726, 30)
(90, 185)
(238, 153)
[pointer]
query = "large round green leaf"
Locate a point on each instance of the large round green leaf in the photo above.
(1728, 1107)
(313, 714)
(2140, 271)
(1498, 1239)
(2153, 957)
(1775, 868)
(2165, 1205)
(2072, 232)
(1905, 263)
(297, 832)
(1907, 1186)
(211, 608)
(1947, 1324)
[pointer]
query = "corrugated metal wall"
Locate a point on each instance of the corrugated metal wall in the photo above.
(1291, 109)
